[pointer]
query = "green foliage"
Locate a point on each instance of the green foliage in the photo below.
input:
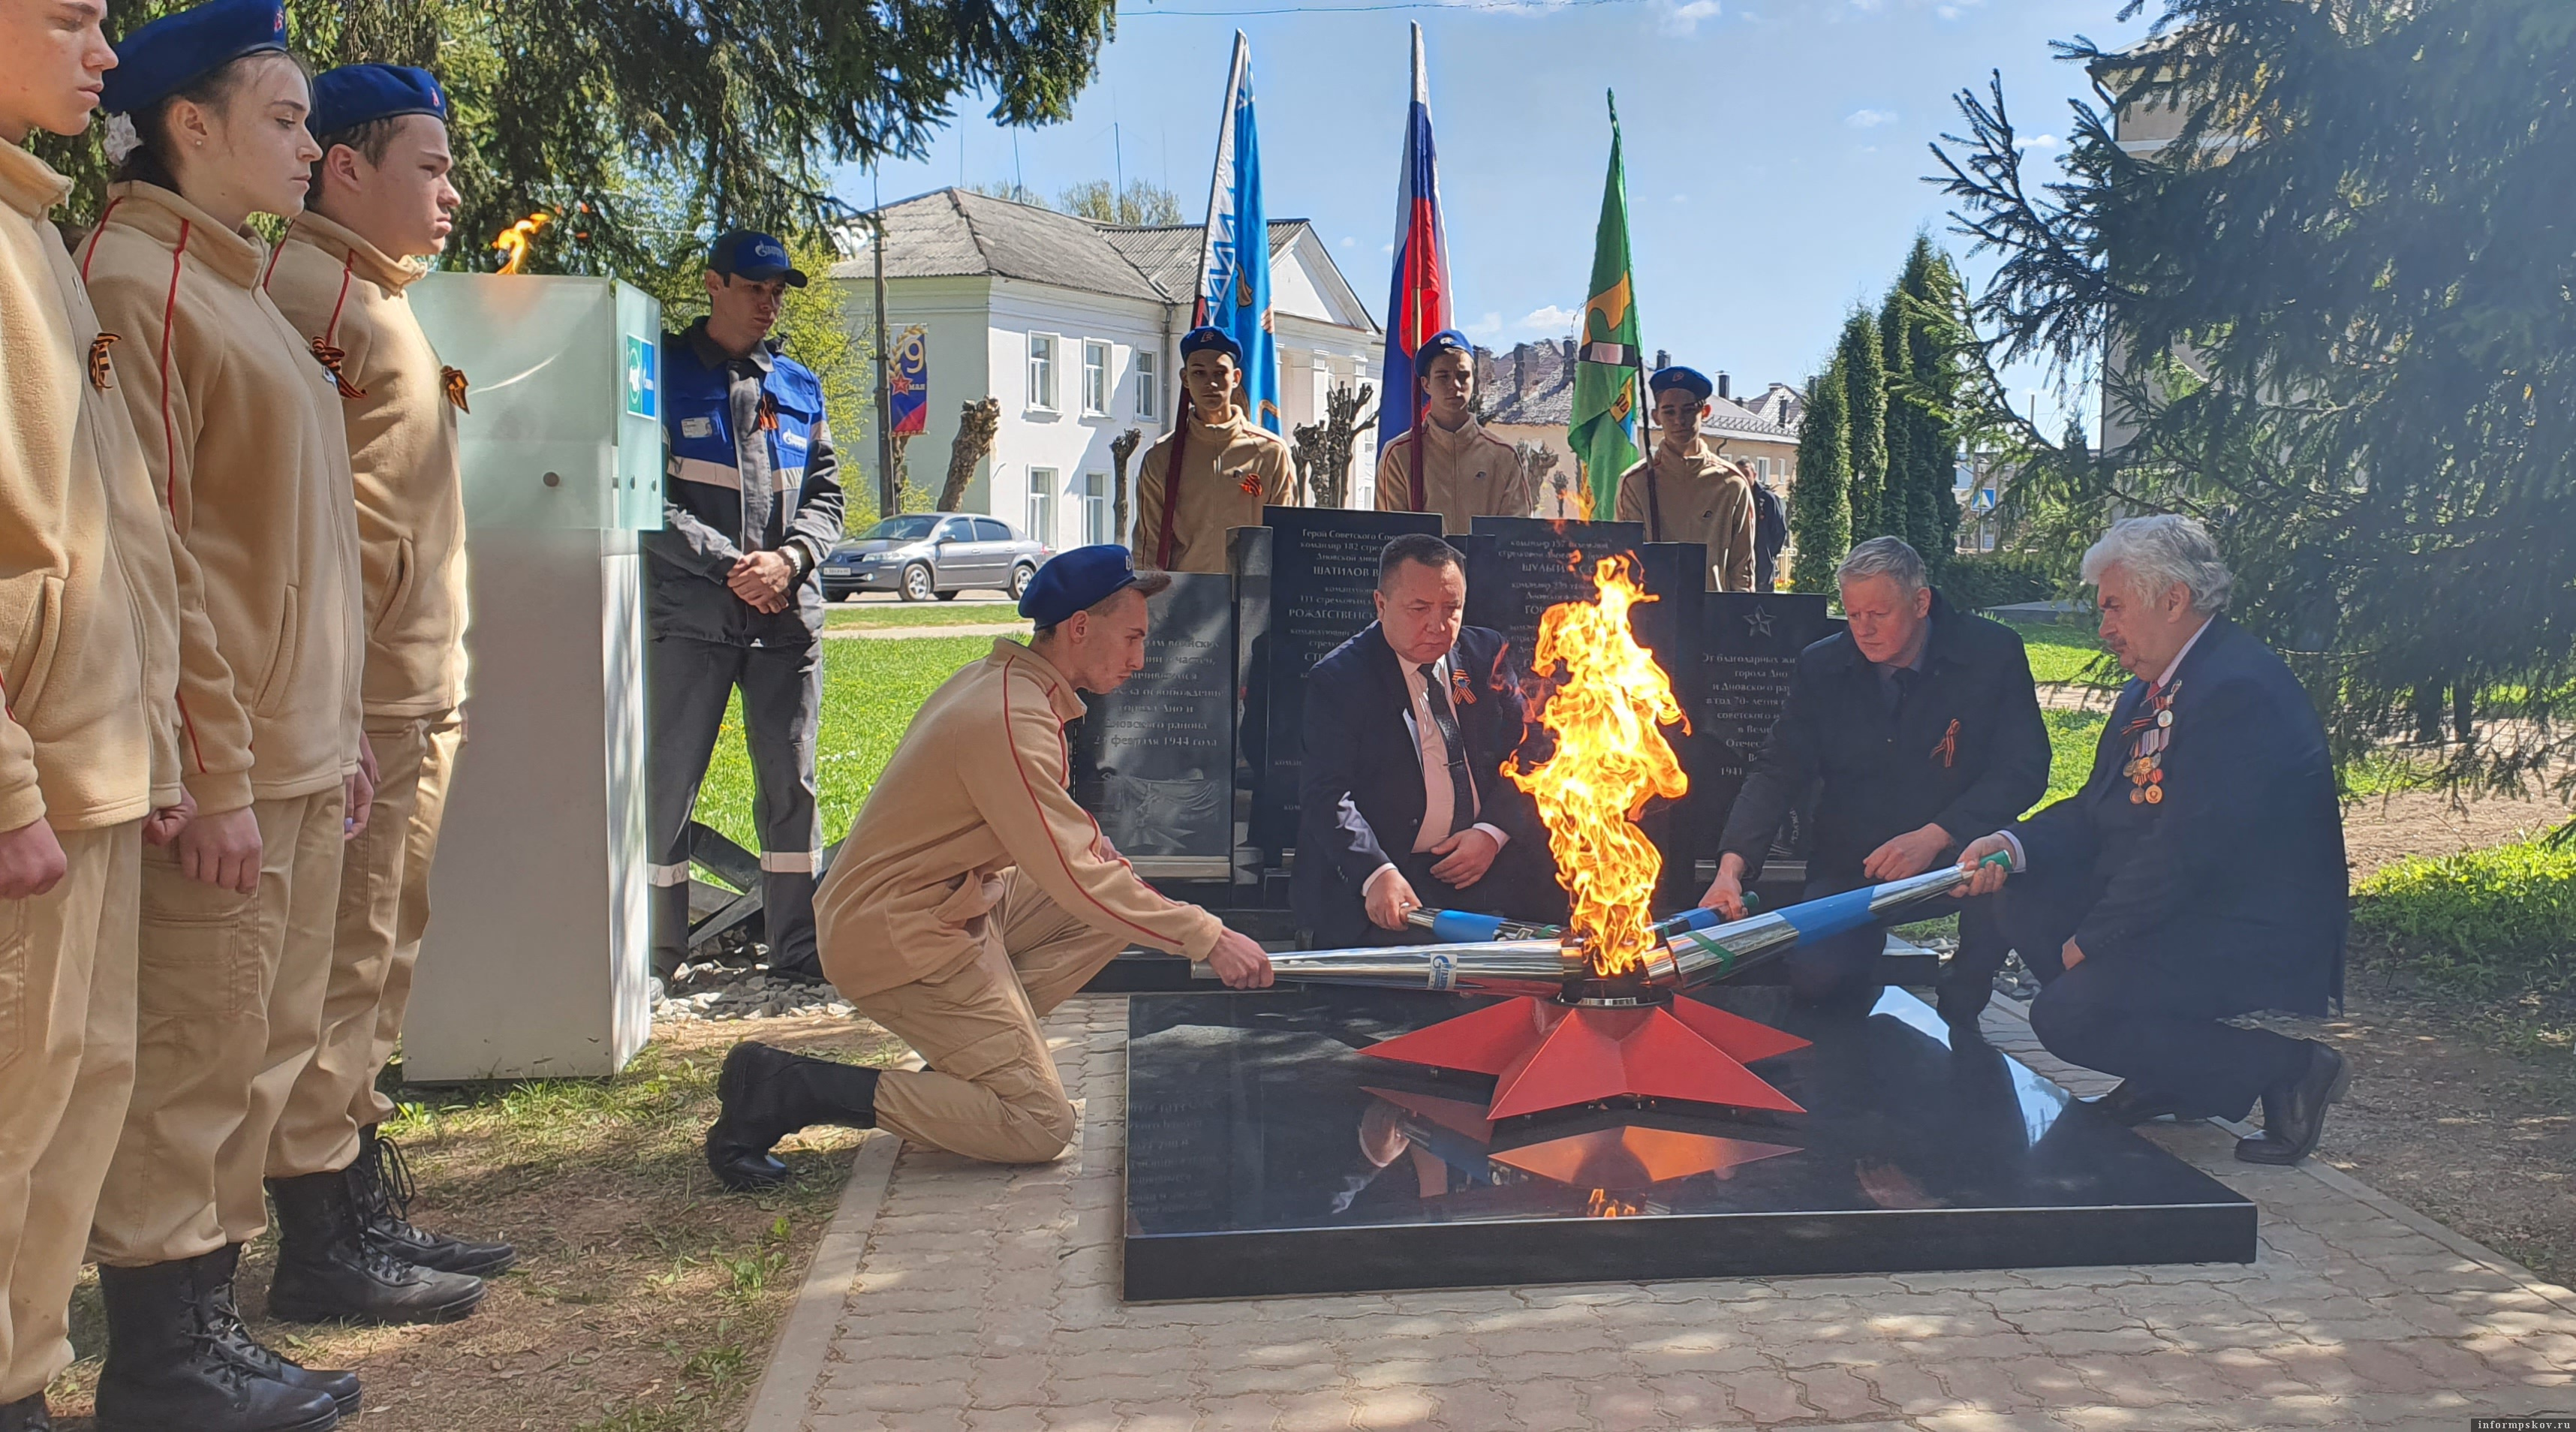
(870, 691)
(1864, 372)
(2359, 238)
(1978, 580)
(1922, 322)
(751, 107)
(1820, 497)
(2483, 922)
(1138, 203)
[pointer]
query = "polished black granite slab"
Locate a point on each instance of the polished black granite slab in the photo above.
(1267, 1156)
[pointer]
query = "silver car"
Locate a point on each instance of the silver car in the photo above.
(933, 554)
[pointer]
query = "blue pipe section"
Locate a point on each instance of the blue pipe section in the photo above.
(1832, 915)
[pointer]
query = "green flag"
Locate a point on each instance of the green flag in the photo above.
(1603, 432)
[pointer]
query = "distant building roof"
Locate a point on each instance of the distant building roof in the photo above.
(1533, 384)
(953, 233)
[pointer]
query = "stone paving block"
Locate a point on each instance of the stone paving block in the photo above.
(1472, 1407)
(1624, 1407)
(1766, 1396)
(1838, 1392)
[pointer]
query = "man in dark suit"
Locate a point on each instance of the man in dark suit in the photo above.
(1402, 803)
(2199, 874)
(1923, 727)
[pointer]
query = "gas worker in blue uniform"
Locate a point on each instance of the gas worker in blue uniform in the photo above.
(751, 504)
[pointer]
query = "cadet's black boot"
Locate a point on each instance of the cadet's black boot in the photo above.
(327, 1271)
(769, 1094)
(27, 1414)
(233, 1335)
(384, 1192)
(165, 1368)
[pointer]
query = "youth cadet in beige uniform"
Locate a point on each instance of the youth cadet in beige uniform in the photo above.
(972, 897)
(1467, 472)
(89, 761)
(1230, 467)
(239, 422)
(1685, 492)
(381, 197)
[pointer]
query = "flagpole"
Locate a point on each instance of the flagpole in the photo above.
(1216, 175)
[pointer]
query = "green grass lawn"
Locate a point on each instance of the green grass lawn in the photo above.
(2072, 736)
(2064, 652)
(841, 616)
(870, 690)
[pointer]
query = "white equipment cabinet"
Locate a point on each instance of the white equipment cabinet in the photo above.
(537, 956)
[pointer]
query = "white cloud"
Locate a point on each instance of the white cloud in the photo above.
(1684, 17)
(1549, 320)
(1348, 241)
(2040, 141)
(1869, 118)
(1489, 326)
(1387, 248)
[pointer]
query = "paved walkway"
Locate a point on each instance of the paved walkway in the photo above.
(952, 1296)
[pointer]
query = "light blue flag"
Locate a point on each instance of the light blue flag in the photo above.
(1234, 272)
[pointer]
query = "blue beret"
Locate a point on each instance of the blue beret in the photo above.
(353, 95)
(758, 257)
(1076, 581)
(1689, 380)
(1447, 340)
(163, 57)
(1201, 340)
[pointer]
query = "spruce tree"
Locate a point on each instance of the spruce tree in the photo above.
(1864, 370)
(1820, 499)
(583, 111)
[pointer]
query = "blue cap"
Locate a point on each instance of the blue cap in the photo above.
(1077, 581)
(1689, 380)
(162, 58)
(1206, 339)
(758, 257)
(353, 95)
(1447, 340)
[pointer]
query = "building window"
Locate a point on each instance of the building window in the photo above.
(1149, 385)
(1042, 371)
(1041, 522)
(1095, 379)
(1095, 509)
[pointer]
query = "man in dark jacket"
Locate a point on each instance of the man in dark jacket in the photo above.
(1923, 726)
(751, 507)
(1401, 801)
(2198, 874)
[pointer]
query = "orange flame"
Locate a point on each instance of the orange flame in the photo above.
(1602, 1205)
(515, 239)
(1609, 760)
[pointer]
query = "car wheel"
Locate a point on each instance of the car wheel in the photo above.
(916, 583)
(948, 596)
(1020, 580)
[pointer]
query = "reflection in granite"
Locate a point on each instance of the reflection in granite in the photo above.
(1264, 1155)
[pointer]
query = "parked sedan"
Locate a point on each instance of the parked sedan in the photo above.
(932, 554)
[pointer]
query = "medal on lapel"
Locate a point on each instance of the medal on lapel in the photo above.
(2149, 733)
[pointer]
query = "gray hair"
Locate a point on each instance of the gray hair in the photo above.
(1883, 557)
(2159, 551)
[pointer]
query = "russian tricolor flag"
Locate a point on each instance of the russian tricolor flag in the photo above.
(1417, 303)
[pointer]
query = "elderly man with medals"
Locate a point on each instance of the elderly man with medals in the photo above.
(2198, 875)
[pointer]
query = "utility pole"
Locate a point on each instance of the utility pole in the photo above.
(888, 499)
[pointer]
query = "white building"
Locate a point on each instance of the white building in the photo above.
(1075, 327)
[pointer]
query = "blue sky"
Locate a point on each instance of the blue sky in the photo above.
(1775, 148)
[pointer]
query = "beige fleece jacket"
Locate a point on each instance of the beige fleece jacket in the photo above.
(979, 785)
(1230, 471)
(343, 293)
(240, 425)
(1466, 474)
(89, 601)
(1698, 497)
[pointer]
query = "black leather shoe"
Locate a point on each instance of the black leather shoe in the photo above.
(768, 1094)
(27, 1414)
(166, 1369)
(233, 1336)
(327, 1271)
(2132, 1104)
(2294, 1110)
(384, 1193)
